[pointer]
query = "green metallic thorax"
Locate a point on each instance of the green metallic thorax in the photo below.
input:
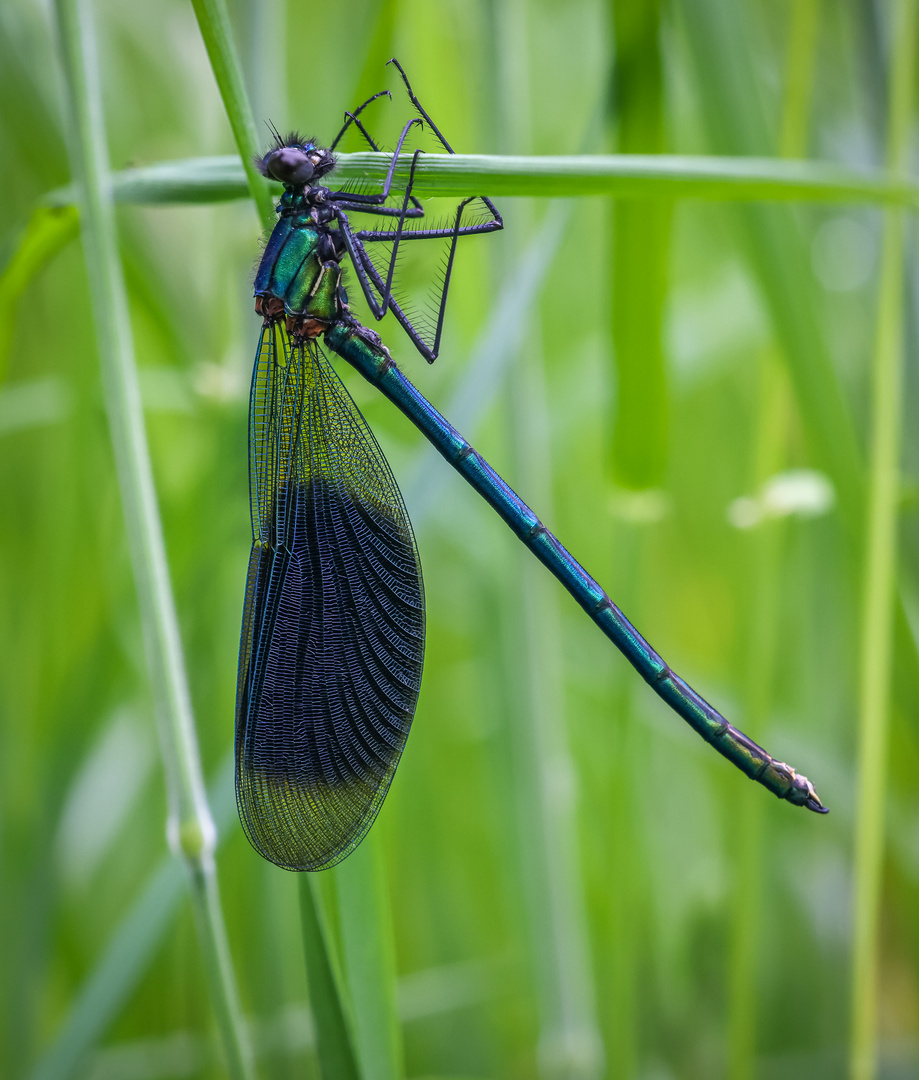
(291, 278)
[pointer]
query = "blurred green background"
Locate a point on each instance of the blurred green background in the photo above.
(579, 886)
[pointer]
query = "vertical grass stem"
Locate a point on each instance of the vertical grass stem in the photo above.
(570, 1045)
(214, 24)
(191, 827)
(368, 961)
(799, 77)
(341, 1037)
(763, 568)
(880, 571)
(329, 1000)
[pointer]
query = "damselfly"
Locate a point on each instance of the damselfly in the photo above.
(333, 627)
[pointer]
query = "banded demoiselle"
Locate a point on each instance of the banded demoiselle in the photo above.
(333, 626)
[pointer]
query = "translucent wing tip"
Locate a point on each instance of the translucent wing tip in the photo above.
(309, 826)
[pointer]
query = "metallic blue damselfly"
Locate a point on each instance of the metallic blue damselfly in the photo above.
(333, 628)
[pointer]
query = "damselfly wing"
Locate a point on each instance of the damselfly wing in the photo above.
(333, 630)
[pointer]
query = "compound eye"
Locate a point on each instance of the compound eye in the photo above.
(291, 166)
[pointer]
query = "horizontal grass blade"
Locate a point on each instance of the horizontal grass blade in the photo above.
(738, 179)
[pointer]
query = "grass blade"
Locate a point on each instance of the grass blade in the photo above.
(624, 176)
(214, 24)
(777, 252)
(875, 662)
(640, 247)
(780, 261)
(335, 1044)
(191, 827)
(129, 952)
(763, 565)
(368, 961)
(48, 231)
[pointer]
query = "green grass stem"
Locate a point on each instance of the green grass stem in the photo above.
(129, 951)
(214, 24)
(640, 245)
(624, 809)
(875, 660)
(778, 256)
(191, 827)
(800, 62)
(762, 566)
(780, 263)
(368, 961)
(373, 1048)
(49, 230)
(569, 1042)
(329, 1001)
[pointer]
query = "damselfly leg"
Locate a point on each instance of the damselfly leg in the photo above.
(376, 275)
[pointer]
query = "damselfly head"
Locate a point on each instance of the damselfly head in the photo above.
(295, 162)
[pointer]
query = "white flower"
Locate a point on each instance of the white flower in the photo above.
(803, 493)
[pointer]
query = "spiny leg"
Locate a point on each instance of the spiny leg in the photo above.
(429, 352)
(371, 281)
(352, 118)
(375, 283)
(357, 201)
(395, 236)
(379, 211)
(424, 114)
(437, 132)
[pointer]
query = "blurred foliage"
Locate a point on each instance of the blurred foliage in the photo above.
(564, 860)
